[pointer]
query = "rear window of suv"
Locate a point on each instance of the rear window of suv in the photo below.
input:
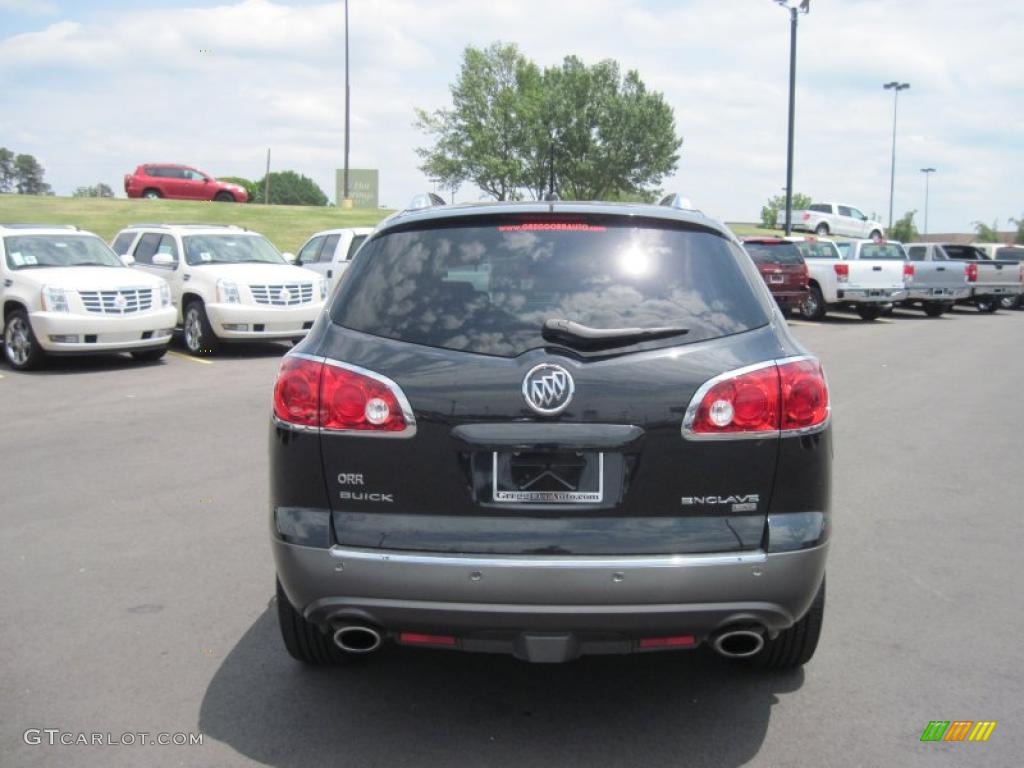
(882, 251)
(778, 253)
(488, 286)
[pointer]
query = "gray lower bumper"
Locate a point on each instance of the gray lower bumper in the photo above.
(633, 595)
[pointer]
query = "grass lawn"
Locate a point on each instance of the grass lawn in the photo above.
(287, 226)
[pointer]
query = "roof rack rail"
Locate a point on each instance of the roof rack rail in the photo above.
(203, 224)
(30, 225)
(677, 201)
(425, 200)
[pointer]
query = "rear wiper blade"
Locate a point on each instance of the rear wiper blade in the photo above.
(584, 337)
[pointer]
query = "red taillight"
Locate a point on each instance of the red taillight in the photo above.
(310, 393)
(972, 273)
(804, 394)
(908, 272)
(416, 638)
(748, 402)
(297, 392)
(783, 395)
(805, 275)
(806, 216)
(676, 641)
(842, 272)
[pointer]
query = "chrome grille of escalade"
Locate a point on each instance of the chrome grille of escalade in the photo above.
(282, 295)
(124, 301)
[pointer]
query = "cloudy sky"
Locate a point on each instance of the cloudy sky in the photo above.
(94, 87)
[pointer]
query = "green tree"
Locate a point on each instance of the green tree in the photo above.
(512, 127)
(987, 234)
(904, 229)
(291, 188)
(770, 210)
(246, 184)
(99, 190)
(1019, 224)
(7, 175)
(28, 176)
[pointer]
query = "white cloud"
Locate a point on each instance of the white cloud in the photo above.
(97, 94)
(34, 7)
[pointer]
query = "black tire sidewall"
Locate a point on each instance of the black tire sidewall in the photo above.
(208, 341)
(36, 354)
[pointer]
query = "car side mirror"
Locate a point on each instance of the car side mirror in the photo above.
(127, 259)
(164, 260)
(291, 258)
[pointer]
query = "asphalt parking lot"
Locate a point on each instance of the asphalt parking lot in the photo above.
(136, 581)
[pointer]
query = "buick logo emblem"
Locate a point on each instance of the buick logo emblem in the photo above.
(548, 389)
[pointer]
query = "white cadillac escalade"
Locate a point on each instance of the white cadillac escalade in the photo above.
(64, 292)
(229, 284)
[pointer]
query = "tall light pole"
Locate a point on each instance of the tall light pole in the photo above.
(793, 6)
(895, 86)
(347, 202)
(927, 175)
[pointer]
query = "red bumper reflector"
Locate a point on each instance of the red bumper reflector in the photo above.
(415, 638)
(676, 641)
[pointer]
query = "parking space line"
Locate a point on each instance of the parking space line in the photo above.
(800, 324)
(189, 357)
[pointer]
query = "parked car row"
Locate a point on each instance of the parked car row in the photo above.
(64, 291)
(813, 274)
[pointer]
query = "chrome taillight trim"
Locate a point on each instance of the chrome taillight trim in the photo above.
(691, 410)
(403, 402)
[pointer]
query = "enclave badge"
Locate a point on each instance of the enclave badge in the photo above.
(548, 389)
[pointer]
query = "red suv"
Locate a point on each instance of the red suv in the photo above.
(180, 182)
(782, 267)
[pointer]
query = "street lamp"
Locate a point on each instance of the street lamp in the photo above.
(346, 201)
(927, 175)
(895, 87)
(793, 6)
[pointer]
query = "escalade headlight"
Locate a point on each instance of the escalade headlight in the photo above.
(227, 292)
(165, 295)
(55, 299)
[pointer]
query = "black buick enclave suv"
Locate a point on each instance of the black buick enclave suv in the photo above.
(551, 429)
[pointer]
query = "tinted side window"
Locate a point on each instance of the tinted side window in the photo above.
(169, 246)
(309, 251)
(123, 243)
(357, 241)
(821, 208)
(330, 244)
(488, 285)
(146, 247)
(845, 211)
(917, 252)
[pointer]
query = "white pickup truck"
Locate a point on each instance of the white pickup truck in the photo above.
(330, 252)
(64, 292)
(853, 278)
(826, 219)
(990, 281)
(229, 284)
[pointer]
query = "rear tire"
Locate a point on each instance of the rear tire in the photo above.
(149, 355)
(1009, 302)
(20, 344)
(821, 230)
(224, 197)
(988, 305)
(198, 333)
(795, 646)
(869, 312)
(934, 309)
(875, 235)
(304, 641)
(152, 194)
(813, 307)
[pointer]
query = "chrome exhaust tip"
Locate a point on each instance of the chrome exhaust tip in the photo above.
(357, 639)
(738, 643)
